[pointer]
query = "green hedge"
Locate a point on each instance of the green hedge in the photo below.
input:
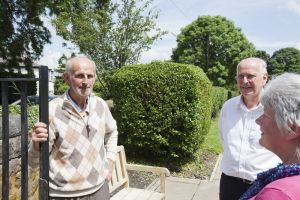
(163, 110)
(32, 113)
(219, 96)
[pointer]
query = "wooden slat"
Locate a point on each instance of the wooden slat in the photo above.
(137, 194)
(120, 179)
(119, 176)
(114, 178)
(119, 172)
(157, 170)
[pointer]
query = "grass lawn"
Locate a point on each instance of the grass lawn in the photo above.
(212, 142)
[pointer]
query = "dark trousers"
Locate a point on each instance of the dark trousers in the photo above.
(231, 188)
(101, 194)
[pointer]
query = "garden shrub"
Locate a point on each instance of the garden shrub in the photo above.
(102, 84)
(219, 96)
(163, 111)
(32, 113)
(233, 93)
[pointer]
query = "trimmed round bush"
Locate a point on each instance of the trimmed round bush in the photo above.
(163, 110)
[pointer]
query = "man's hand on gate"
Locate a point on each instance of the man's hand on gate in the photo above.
(39, 134)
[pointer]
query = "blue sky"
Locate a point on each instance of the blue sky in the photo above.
(268, 24)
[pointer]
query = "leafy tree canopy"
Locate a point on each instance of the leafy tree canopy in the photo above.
(285, 60)
(22, 32)
(214, 44)
(112, 36)
(263, 55)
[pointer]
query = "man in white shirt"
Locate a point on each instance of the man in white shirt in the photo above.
(243, 156)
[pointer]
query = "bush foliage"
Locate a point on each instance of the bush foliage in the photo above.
(219, 96)
(32, 112)
(163, 110)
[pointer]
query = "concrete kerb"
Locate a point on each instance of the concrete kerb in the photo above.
(216, 168)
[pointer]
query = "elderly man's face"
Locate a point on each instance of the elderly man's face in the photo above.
(250, 80)
(81, 79)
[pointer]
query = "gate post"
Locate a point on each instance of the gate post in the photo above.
(5, 142)
(44, 117)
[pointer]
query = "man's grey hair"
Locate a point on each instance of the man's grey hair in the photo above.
(282, 95)
(262, 64)
(69, 62)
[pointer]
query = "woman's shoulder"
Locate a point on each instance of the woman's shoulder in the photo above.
(285, 188)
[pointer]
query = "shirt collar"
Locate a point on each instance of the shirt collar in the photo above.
(76, 107)
(242, 105)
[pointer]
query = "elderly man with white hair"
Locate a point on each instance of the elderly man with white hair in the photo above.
(82, 138)
(243, 156)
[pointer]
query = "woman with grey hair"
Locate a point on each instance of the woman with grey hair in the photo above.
(280, 127)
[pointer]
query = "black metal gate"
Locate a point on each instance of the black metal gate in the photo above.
(43, 117)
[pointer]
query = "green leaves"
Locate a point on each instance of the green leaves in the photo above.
(163, 110)
(214, 44)
(114, 34)
(285, 60)
(22, 32)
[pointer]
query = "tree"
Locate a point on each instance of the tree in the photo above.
(214, 44)
(265, 56)
(285, 60)
(59, 85)
(113, 36)
(22, 33)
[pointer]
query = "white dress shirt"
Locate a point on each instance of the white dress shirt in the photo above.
(243, 156)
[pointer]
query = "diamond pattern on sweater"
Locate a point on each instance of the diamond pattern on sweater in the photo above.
(76, 158)
(60, 180)
(93, 176)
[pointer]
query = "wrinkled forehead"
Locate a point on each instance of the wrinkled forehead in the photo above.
(248, 69)
(255, 65)
(82, 64)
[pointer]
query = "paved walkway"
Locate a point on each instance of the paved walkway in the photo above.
(194, 189)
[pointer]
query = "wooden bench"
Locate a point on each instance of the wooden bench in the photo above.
(119, 183)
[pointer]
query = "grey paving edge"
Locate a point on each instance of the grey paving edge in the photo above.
(212, 176)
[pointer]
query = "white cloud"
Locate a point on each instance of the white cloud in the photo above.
(270, 47)
(294, 6)
(297, 46)
(51, 58)
(156, 53)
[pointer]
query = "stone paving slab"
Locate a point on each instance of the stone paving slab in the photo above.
(181, 188)
(191, 189)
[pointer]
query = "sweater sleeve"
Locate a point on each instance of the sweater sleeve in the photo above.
(111, 135)
(33, 156)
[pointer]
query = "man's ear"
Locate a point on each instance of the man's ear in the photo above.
(265, 78)
(66, 77)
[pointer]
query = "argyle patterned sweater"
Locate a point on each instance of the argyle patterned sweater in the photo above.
(78, 156)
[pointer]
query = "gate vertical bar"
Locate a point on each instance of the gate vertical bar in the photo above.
(5, 143)
(24, 142)
(44, 117)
